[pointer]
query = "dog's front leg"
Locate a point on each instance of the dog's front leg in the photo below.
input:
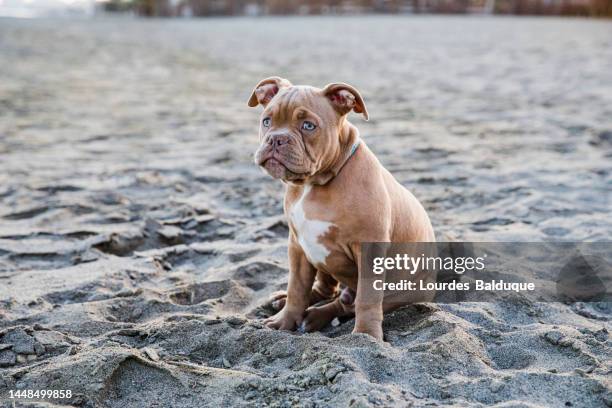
(368, 301)
(301, 278)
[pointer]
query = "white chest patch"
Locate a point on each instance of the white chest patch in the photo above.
(309, 231)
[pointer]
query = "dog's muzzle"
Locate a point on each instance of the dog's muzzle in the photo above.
(281, 157)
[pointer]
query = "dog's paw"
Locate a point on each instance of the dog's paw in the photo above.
(284, 320)
(317, 317)
(374, 331)
(278, 299)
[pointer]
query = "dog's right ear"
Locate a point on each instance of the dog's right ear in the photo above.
(266, 89)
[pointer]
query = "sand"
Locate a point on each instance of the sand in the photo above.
(139, 243)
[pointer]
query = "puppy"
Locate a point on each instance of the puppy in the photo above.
(338, 196)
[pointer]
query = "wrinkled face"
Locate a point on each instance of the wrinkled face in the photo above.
(298, 130)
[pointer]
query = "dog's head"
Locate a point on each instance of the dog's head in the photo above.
(302, 129)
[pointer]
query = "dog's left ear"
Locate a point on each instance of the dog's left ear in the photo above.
(345, 98)
(266, 89)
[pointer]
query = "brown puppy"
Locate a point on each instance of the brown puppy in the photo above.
(338, 195)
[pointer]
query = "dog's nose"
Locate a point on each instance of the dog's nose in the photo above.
(278, 140)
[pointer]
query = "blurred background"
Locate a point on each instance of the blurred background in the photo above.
(501, 125)
(202, 8)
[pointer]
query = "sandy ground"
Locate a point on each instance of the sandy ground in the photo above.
(139, 243)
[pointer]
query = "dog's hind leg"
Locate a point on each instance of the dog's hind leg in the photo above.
(324, 288)
(317, 317)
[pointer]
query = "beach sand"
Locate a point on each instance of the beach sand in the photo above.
(139, 243)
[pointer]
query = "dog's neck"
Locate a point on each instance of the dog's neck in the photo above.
(349, 141)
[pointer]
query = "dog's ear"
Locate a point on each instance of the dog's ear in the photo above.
(266, 89)
(345, 98)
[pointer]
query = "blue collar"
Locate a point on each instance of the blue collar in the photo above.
(353, 150)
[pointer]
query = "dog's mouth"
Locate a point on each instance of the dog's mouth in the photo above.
(279, 170)
(280, 165)
(275, 168)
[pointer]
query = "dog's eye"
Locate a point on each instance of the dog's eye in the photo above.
(308, 126)
(266, 122)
